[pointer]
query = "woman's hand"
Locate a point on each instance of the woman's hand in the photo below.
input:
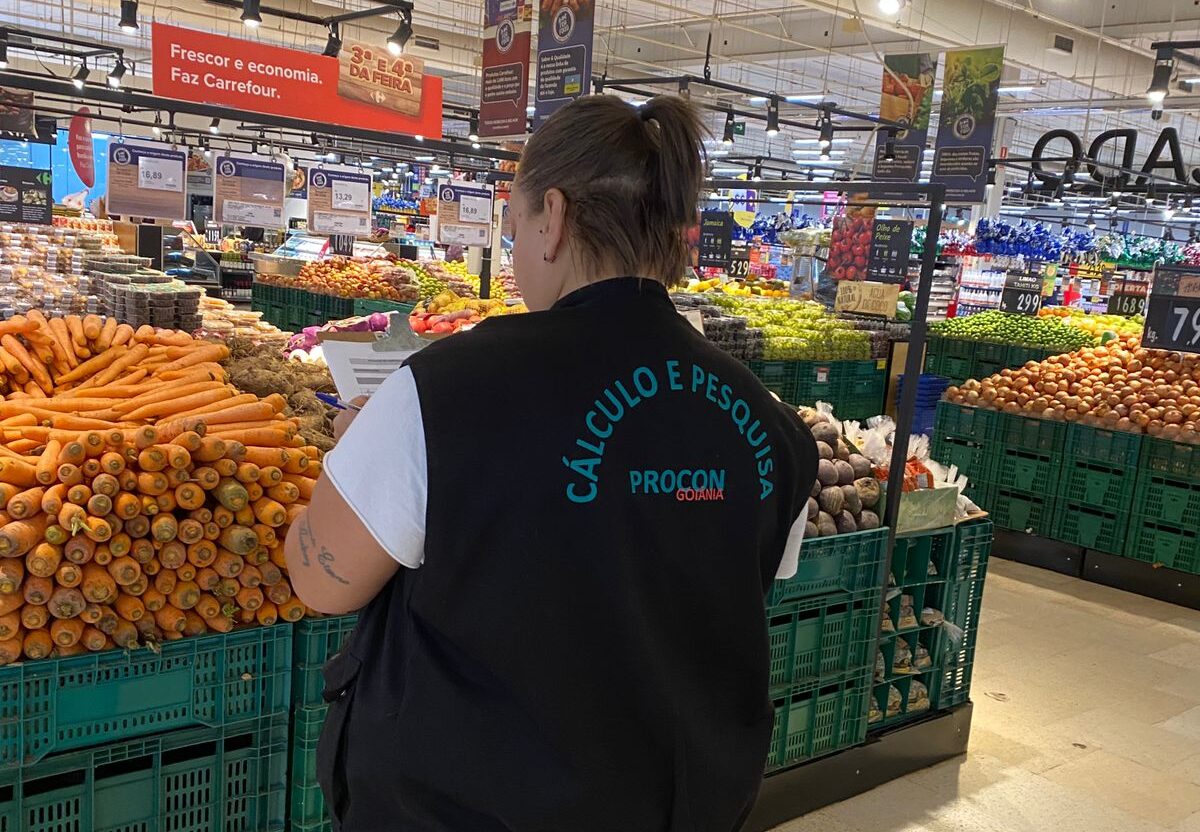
(342, 421)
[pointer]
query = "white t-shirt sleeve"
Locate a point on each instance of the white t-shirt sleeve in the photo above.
(379, 468)
(791, 549)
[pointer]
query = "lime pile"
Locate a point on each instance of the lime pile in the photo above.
(1019, 330)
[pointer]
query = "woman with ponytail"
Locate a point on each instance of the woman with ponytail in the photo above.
(569, 523)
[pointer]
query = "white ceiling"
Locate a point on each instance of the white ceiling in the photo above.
(790, 46)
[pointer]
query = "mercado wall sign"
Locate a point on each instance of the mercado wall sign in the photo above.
(1165, 158)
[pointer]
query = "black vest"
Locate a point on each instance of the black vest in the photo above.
(584, 648)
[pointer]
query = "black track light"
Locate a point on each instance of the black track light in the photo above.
(117, 73)
(1091, 222)
(157, 127)
(825, 141)
(251, 15)
(129, 16)
(1160, 82)
(889, 147)
(81, 75)
(727, 138)
(214, 126)
(473, 129)
(404, 32)
(773, 115)
(333, 43)
(756, 171)
(3, 49)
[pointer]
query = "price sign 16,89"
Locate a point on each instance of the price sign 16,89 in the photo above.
(1173, 311)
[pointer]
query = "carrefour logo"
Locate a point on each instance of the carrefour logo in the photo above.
(447, 194)
(564, 24)
(227, 167)
(122, 156)
(505, 35)
(319, 180)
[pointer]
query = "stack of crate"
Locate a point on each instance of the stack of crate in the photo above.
(1165, 526)
(962, 599)
(1025, 468)
(1095, 487)
(822, 625)
(965, 437)
(191, 736)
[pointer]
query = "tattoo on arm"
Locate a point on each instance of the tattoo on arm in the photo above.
(324, 556)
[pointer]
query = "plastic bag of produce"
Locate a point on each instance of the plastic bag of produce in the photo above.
(874, 714)
(931, 617)
(908, 617)
(918, 698)
(902, 660)
(880, 666)
(894, 701)
(921, 658)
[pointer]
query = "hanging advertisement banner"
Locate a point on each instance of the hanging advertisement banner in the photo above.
(17, 115)
(25, 195)
(374, 76)
(464, 213)
(147, 180)
(564, 56)
(504, 85)
(248, 192)
(967, 121)
(79, 147)
(907, 97)
(247, 75)
(339, 202)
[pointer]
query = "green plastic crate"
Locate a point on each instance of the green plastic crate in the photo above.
(1017, 356)
(983, 369)
(970, 551)
(1030, 433)
(913, 553)
(959, 348)
(1155, 542)
(909, 710)
(840, 563)
(1170, 502)
(817, 722)
(1026, 471)
(954, 687)
(974, 460)
(231, 778)
(316, 641)
(968, 424)
(956, 369)
(1117, 449)
(780, 377)
(819, 381)
(1095, 485)
(1173, 460)
(822, 638)
(56, 705)
(365, 306)
(1019, 511)
(992, 352)
(306, 804)
(1087, 527)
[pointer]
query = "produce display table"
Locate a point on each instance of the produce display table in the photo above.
(856, 389)
(959, 359)
(294, 309)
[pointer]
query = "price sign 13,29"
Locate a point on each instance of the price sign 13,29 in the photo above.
(1173, 311)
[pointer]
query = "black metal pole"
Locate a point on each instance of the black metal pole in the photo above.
(485, 274)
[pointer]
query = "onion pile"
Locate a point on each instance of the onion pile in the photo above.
(1119, 386)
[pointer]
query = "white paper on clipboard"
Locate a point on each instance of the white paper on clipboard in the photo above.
(361, 361)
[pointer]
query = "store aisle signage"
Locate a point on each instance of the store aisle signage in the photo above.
(1022, 293)
(967, 122)
(889, 252)
(716, 239)
(1173, 310)
(867, 297)
(504, 83)
(248, 192)
(249, 75)
(1127, 297)
(1164, 159)
(147, 180)
(564, 57)
(80, 148)
(17, 115)
(372, 75)
(907, 98)
(339, 202)
(464, 213)
(25, 195)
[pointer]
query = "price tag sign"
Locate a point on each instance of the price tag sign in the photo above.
(351, 195)
(146, 180)
(339, 202)
(158, 174)
(474, 209)
(1173, 310)
(1127, 297)
(716, 239)
(212, 234)
(464, 212)
(342, 245)
(739, 260)
(1022, 293)
(889, 252)
(867, 298)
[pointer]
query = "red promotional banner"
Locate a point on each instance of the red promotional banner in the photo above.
(79, 146)
(504, 86)
(246, 75)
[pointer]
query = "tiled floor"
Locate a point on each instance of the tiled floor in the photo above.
(1087, 719)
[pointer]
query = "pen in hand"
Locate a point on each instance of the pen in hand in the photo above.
(334, 401)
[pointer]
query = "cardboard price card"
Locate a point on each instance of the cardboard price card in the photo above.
(867, 298)
(339, 202)
(464, 213)
(248, 192)
(147, 180)
(25, 195)
(374, 76)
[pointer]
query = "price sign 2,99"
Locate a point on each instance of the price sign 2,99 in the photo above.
(1173, 310)
(1022, 294)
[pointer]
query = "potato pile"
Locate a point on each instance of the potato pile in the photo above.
(846, 494)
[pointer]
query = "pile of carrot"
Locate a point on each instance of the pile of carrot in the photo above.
(142, 498)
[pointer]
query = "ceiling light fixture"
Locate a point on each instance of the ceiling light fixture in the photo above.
(333, 43)
(157, 128)
(1091, 222)
(129, 15)
(214, 126)
(891, 6)
(473, 129)
(773, 115)
(118, 72)
(727, 138)
(1160, 82)
(404, 32)
(826, 137)
(81, 75)
(1168, 211)
(3, 49)
(889, 147)
(251, 16)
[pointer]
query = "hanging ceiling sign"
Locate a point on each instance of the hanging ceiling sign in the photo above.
(248, 192)
(564, 56)
(248, 75)
(504, 81)
(967, 122)
(146, 180)
(80, 148)
(25, 195)
(17, 120)
(1164, 159)
(339, 202)
(716, 239)
(907, 98)
(464, 212)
